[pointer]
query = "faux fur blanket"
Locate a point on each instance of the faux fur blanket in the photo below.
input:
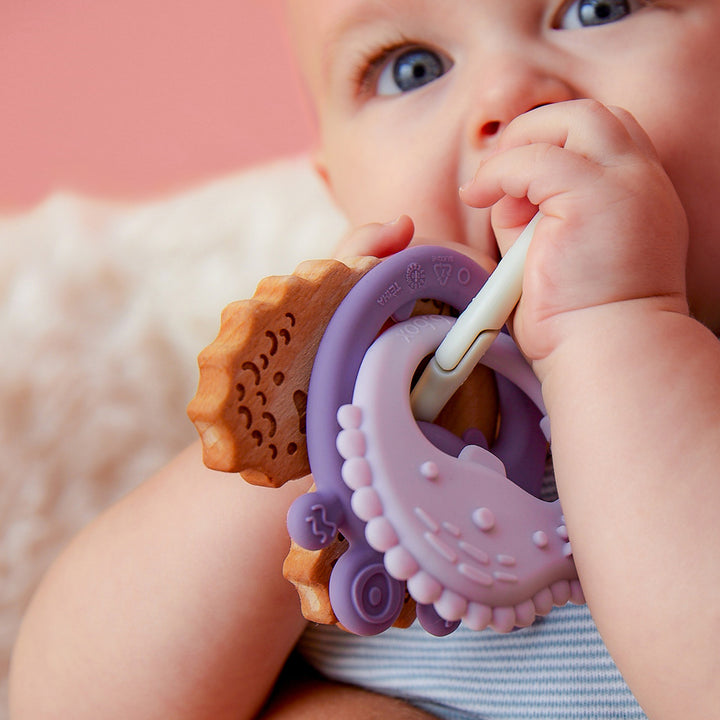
(103, 310)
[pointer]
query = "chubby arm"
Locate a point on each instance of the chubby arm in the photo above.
(635, 405)
(632, 387)
(171, 604)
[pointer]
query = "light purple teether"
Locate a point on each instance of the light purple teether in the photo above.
(464, 537)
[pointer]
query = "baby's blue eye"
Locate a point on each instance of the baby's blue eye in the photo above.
(588, 13)
(409, 70)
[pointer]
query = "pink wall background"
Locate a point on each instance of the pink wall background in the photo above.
(131, 98)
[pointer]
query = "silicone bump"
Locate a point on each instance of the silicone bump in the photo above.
(503, 619)
(451, 528)
(441, 547)
(349, 417)
(567, 550)
(562, 532)
(424, 588)
(525, 613)
(484, 519)
(476, 575)
(366, 504)
(380, 534)
(450, 605)
(427, 519)
(400, 563)
(540, 539)
(351, 443)
(543, 601)
(429, 470)
(356, 473)
(478, 616)
(474, 552)
(560, 592)
(506, 560)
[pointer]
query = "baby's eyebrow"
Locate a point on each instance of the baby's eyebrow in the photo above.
(353, 17)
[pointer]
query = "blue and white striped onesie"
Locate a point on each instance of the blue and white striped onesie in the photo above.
(557, 669)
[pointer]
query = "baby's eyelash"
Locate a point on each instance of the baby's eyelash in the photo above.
(372, 61)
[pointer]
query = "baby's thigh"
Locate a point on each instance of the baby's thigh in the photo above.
(302, 694)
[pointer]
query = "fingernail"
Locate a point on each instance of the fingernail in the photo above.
(466, 186)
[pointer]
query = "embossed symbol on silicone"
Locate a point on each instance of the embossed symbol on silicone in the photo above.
(415, 276)
(463, 276)
(321, 527)
(443, 272)
(390, 292)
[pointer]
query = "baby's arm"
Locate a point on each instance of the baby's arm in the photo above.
(171, 604)
(632, 387)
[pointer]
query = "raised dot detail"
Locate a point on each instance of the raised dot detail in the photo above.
(351, 443)
(478, 616)
(349, 417)
(484, 518)
(424, 588)
(356, 473)
(400, 563)
(540, 539)
(366, 503)
(380, 534)
(451, 606)
(429, 470)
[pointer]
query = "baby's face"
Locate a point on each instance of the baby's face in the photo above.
(412, 94)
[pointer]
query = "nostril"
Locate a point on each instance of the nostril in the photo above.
(490, 128)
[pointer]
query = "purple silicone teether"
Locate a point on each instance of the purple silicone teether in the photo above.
(365, 597)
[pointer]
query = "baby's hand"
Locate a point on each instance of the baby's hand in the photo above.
(614, 230)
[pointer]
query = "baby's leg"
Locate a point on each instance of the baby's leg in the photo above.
(302, 694)
(171, 604)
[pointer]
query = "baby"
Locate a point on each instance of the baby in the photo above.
(602, 114)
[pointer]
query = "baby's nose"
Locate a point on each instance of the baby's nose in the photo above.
(510, 94)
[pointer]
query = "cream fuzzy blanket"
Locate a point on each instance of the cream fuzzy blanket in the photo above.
(103, 310)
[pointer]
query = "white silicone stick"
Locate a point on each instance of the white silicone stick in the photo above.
(473, 332)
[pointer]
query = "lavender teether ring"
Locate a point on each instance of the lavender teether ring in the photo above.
(490, 552)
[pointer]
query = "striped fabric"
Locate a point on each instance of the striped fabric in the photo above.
(557, 669)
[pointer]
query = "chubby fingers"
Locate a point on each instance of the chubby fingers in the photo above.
(377, 239)
(596, 131)
(558, 149)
